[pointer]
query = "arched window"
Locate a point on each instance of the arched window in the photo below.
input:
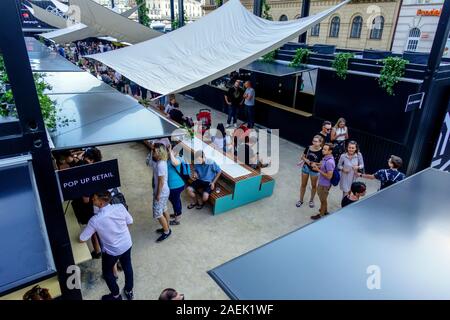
(283, 17)
(377, 28)
(356, 27)
(413, 39)
(315, 31)
(334, 27)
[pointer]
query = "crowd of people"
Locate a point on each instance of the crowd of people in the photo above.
(334, 159)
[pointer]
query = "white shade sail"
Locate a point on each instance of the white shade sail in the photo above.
(78, 31)
(226, 39)
(47, 16)
(70, 34)
(109, 23)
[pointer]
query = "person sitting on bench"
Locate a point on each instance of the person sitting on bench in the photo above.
(206, 173)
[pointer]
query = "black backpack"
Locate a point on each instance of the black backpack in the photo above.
(388, 182)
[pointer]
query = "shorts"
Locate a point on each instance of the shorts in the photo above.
(198, 185)
(307, 170)
(159, 207)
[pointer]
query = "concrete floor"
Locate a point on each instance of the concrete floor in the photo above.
(202, 241)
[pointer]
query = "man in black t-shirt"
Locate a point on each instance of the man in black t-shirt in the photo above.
(358, 190)
(234, 98)
(326, 132)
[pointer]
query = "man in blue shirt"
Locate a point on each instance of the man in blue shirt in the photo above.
(249, 102)
(206, 173)
(388, 177)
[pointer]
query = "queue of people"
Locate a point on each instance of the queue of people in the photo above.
(334, 160)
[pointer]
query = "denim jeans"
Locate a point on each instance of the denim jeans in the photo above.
(250, 116)
(232, 113)
(108, 262)
(175, 200)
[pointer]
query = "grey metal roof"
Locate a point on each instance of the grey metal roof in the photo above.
(105, 118)
(43, 59)
(276, 69)
(26, 255)
(402, 231)
(97, 113)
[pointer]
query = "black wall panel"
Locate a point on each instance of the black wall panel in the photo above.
(365, 105)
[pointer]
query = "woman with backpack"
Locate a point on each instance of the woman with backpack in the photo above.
(350, 164)
(178, 173)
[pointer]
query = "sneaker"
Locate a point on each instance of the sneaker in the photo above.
(128, 294)
(174, 223)
(111, 297)
(299, 203)
(316, 217)
(164, 236)
(311, 204)
(96, 255)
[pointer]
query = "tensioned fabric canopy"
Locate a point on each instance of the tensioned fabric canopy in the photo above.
(46, 16)
(69, 33)
(226, 39)
(110, 23)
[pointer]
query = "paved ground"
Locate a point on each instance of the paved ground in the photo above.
(202, 241)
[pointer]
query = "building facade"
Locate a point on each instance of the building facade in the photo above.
(160, 9)
(361, 24)
(417, 24)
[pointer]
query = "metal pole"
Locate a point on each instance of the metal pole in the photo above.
(433, 110)
(295, 91)
(306, 4)
(112, 4)
(257, 7)
(172, 11)
(34, 140)
(181, 13)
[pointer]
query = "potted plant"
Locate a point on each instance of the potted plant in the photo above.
(300, 57)
(393, 69)
(270, 57)
(340, 63)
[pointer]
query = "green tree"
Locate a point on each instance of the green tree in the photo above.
(143, 13)
(176, 22)
(266, 10)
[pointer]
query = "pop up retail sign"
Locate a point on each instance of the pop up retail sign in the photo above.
(88, 179)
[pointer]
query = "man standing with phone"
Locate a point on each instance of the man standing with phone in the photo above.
(233, 99)
(325, 174)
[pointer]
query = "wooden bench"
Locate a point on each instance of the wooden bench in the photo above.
(225, 190)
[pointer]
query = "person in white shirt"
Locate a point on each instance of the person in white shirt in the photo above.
(170, 105)
(161, 191)
(111, 224)
(221, 140)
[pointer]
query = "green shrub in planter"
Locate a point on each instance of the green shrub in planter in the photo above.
(269, 57)
(340, 63)
(300, 57)
(393, 69)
